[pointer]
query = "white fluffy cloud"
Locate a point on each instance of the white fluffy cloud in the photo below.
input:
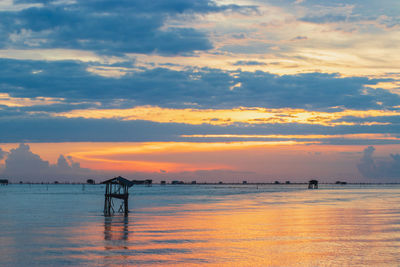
(22, 164)
(385, 168)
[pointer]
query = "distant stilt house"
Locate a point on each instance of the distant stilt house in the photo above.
(116, 188)
(313, 184)
(3, 182)
(90, 181)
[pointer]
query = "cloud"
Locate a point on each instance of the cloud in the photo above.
(43, 129)
(384, 12)
(92, 130)
(108, 27)
(299, 38)
(249, 63)
(249, 48)
(328, 18)
(385, 168)
(188, 88)
(21, 163)
(207, 88)
(2, 153)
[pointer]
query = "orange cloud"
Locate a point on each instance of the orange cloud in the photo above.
(169, 156)
(254, 115)
(7, 100)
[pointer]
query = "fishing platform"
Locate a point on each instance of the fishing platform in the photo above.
(118, 188)
(313, 184)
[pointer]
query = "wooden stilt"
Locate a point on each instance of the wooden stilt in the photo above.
(116, 188)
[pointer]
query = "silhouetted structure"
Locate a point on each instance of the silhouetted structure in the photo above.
(194, 182)
(339, 182)
(90, 181)
(244, 182)
(116, 188)
(177, 182)
(3, 182)
(163, 183)
(313, 184)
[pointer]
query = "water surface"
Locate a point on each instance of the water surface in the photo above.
(212, 225)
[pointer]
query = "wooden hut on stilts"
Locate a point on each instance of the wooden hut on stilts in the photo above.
(313, 184)
(116, 188)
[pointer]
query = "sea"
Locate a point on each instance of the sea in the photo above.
(201, 225)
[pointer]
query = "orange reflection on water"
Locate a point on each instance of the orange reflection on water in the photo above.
(256, 230)
(116, 229)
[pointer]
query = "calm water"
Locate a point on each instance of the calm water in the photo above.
(242, 225)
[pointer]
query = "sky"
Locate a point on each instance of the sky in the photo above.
(206, 90)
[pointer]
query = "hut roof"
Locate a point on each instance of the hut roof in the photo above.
(118, 180)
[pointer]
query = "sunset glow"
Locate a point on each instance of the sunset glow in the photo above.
(231, 116)
(94, 88)
(199, 133)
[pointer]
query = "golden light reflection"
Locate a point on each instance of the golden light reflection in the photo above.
(298, 228)
(9, 101)
(254, 115)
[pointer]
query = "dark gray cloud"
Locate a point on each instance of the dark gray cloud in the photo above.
(22, 164)
(248, 63)
(299, 38)
(75, 130)
(328, 18)
(383, 168)
(249, 48)
(108, 27)
(313, 91)
(42, 129)
(207, 88)
(204, 88)
(393, 120)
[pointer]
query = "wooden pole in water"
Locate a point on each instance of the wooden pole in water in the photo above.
(126, 200)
